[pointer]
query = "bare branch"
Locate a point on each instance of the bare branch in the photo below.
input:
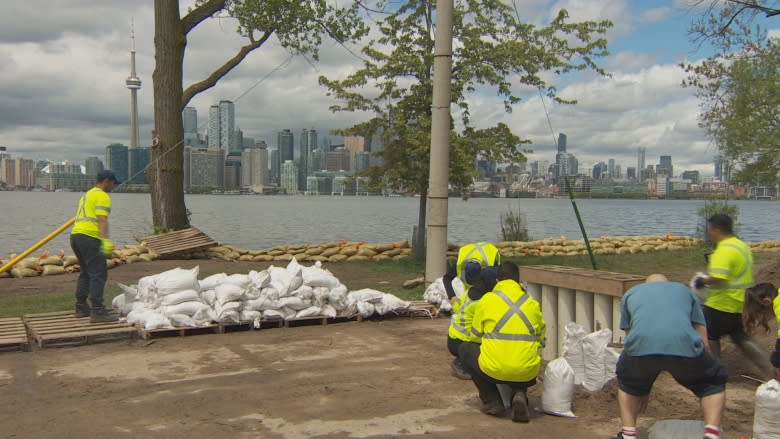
(229, 65)
(201, 13)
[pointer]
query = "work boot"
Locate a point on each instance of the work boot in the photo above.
(520, 408)
(458, 371)
(100, 315)
(494, 408)
(82, 310)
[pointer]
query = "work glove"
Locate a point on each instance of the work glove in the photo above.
(107, 248)
(698, 283)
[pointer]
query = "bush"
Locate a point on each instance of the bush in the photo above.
(712, 207)
(513, 226)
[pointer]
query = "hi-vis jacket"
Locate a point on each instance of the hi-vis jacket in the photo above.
(462, 316)
(512, 328)
(731, 261)
(95, 202)
(483, 252)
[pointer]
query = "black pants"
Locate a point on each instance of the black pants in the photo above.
(453, 344)
(93, 272)
(486, 385)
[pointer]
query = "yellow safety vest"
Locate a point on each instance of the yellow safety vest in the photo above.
(776, 307)
(462, 316)
(731, 261)
(91, 205)
(512, 329)
(485, 253)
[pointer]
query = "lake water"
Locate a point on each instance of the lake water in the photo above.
(263, 221)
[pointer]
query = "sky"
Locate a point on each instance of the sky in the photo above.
(64, 65)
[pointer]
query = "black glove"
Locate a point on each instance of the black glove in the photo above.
(775, 357)
(698, 283)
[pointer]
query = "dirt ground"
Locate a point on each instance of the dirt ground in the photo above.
(379, 379)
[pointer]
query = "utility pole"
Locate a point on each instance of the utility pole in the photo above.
(438, 181)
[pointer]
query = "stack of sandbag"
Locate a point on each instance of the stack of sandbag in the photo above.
(589, 356)
(436, 295)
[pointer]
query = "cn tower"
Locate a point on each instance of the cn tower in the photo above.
(133, 83)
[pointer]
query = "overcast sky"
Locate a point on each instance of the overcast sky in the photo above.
(64, 65)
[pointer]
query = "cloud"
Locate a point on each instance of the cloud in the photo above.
(654, 15)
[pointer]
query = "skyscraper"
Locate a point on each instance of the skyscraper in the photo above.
(337, 160)
(93, 165)
(276, 165)
(206, 167)
(289, 179)
(117, 160)
(134, 84)
(233, 171)
(640, 162)
(354, 144)
(8, 170)
(307, 144)
(254, 166)
(189, 118)
(138, 159)
(665, 166)
(25, 173)
(286, 146)
(631, 173)
(611, 168)
(213, 128)
(599, 169)
(561, 142)
(227, 126)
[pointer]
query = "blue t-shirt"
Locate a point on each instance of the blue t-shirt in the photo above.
(660, 317)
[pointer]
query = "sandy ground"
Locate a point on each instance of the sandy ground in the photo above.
(347, 380)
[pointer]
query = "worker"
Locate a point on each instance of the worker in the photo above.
(473, 259)
(512, 329)
(762, 302)
(665, 331)
(91, 244)
(730, 272)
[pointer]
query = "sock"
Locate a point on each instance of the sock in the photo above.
(711, 432)
(629, 432)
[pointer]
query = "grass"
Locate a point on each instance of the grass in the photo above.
(46, 302)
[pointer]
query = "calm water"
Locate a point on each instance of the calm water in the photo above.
(265, 221)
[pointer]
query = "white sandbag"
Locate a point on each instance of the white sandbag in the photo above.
(204, 317)
(611, 356)
(239, 280)
(188, 308)
(435, 293)
(273, 314)
(261, 304)
(558, 392)
(182, 321)
(209, 296)
(572, 350)
(222, 308)
(766, 422)
(250, 315)
(270, 292)
(211, 282)
(304, 292)
(295, 303)
(295, 271)
(259, 279)
(391, 303)
(180, 297)
(311, 311)
(338, 294)
(365, 309)
(317, 277)
(138, 316)
(176, 280)
(594, 346)
(365, 295)
(280, 280)
(329, 311)
(229, 317)
(287, 312)
(252, 293)
(119, 302)
(156, 320)
(130, 292)
(228, 292)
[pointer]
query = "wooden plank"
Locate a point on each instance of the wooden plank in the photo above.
(61, 328)
(594, 281)
(179, 241)
(147, 334)
(296, 321)
(83, 337)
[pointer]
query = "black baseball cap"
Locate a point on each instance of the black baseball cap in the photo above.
(107, 174)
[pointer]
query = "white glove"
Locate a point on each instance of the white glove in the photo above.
(693, 282)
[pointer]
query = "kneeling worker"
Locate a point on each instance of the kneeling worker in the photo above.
(512, 328)
(665, 331)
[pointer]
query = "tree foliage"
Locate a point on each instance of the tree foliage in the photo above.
(739, 87)
(300, 26)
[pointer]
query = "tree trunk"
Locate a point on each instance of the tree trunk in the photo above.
(418, 246)
(166, 177)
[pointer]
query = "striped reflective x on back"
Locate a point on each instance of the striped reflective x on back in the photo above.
(82, 213)
(478, 247)
(730, 285)
(514, 310)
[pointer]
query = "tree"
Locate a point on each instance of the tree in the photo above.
(299, 26)
(739, 87)
(491, 46)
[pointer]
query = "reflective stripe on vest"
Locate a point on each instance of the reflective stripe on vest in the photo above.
(514, 310)
(731, 285)
(484, 262)
(459, 319)
(82, 213)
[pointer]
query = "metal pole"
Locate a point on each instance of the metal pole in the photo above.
(37, 245)
(438, 181)
(579, 221)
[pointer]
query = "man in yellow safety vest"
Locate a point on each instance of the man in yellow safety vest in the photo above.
(512, 329)
(89, 241)
(476, 268)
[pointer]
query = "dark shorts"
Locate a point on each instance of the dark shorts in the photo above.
(702, 375)
(721, 324)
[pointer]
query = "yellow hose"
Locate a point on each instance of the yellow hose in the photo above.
(37, 245)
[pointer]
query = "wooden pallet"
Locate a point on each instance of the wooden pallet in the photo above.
(13, 335)
(303, 321)
(148, 334)
(57, 329)
(190, 239)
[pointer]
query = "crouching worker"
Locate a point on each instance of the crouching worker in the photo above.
(512, 328)
(762, 303)
(665, 331)
(476, 268)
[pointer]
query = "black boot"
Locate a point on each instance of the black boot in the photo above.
(82, 310)
(100, 314)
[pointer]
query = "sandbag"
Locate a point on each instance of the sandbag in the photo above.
(558, 392)
(23, 272)
(229, 317)
(50, 270)
(311, 311)
(176, 280)
(766, 422)
(365, 309)
(209, 296)
(181, 321)
(262, 304)
(211, 282)
(273, 314)
(305, 292)
(188, 308)
(180, 297)
(240, 280)
(572, 349)
(51, 260)
(131, 292)
(594, 347)
(390, 303)
(294, 270)
(156, 320)
(259, 279)
(29, 263)
(249, 315)
(329, 311)
(222, 308)
(317, 277)
(70, 260)
(366, 295)
(295, 303)
(611, 356)
(228, 292)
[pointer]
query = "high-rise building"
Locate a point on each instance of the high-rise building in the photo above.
(362, 160)
(693, 176)
(233, 171)
(307, 144)
(719, 168)
(486, 168)
(599, 170)
(227, 126)
(93, 165)
(8, 170)
(611, 168)
(189, 117)
(286, 145)
(317, 161)
(337, 160)
(24, 173)
(138, 160)
(354, 144)
(618, 172)
(561, 142)
(289, 178)
(238, 141)
(631, 173)
(117, 159)
(565, 164)
(640, 161)
(213, 128)
(276, 165)
(206, 167)
(254, 166)
(665, 166)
